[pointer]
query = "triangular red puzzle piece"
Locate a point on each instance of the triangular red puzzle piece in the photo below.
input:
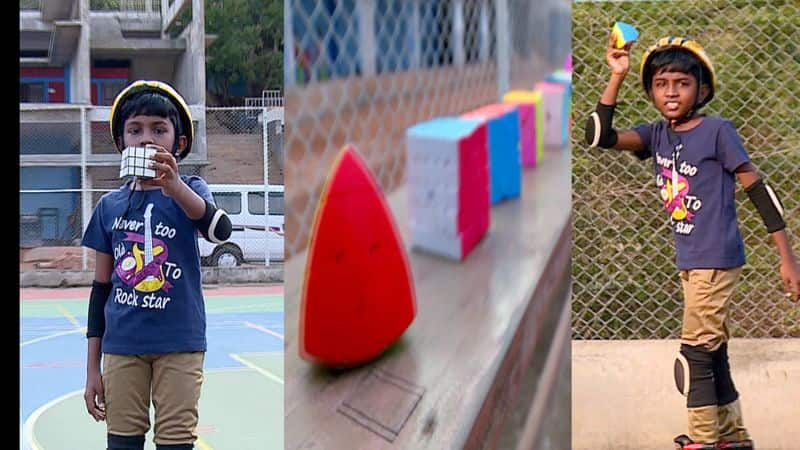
(358, 294)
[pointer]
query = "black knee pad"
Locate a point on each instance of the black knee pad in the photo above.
(694, 376)
(174, 446)
(726, 391)
(117, 442)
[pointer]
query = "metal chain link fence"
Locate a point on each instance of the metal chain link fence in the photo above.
(363, 71)
(68, 161)
(625, 283)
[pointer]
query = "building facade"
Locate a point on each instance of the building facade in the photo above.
(75, 57)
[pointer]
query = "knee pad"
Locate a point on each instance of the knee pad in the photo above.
(174, 446)
(117, 442)
(694, 376)
(726, 391)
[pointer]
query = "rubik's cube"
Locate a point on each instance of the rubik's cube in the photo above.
(447, 167)
(136, 162)
(531, 124)
(505, 171)
(624, 33)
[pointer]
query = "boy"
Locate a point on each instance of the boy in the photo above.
(696, 159)
(146, 308)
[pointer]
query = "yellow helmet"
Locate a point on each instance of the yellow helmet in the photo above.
(678, 42)
(157, 87)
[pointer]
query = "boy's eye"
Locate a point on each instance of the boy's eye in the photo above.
(133, 130)
(161, 130)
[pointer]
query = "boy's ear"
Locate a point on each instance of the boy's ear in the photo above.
(704, 90)
(181, 143)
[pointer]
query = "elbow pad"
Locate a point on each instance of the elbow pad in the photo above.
(599, 131)
(215, 225)
(767, 204)
(96, 323)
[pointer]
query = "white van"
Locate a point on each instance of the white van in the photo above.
(250, 237)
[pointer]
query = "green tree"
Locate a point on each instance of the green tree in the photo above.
(248, 50)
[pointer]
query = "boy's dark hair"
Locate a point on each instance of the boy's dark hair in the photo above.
(148, 104)
(677, 60)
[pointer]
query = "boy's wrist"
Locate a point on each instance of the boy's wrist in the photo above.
(619, 77)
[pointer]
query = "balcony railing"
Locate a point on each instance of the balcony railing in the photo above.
(144, 6)
(29, 5)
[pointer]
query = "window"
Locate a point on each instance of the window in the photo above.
(32, 92)
(109, 91)
(436, 24)
(231, 202)
(255, 203)
(276, 203)
(51, 217)
(326, 39)
(394, 38)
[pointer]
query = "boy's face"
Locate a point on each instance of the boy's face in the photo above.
(140, 130)
(674, 93)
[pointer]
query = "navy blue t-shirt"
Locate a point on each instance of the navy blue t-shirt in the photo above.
(156, 303)
(699, 194)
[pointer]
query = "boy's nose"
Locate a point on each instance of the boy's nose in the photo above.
(147, 138)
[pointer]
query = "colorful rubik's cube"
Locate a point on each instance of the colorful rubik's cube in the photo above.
(556, 112)
(564, 77)
(136, 162)
(624, 33)
(447, 171)
(531, 124)
(505, 171)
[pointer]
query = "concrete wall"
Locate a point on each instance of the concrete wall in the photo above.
(624, 395)
(190, 75)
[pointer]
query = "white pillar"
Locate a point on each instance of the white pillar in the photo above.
(416, 23)
(458, 33)
(484, 49)
(503, 31)
(288, 46)
(86, 197)
(265, 139)
(366, 32)
(80, 78)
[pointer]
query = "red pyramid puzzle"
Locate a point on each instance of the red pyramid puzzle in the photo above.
(358, 294)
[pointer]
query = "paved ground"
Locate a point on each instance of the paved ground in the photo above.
(624, 396)
(241, 405)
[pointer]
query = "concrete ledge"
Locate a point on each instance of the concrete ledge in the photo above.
(211, 275)
(463, 361)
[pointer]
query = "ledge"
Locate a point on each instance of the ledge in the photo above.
(478, 330)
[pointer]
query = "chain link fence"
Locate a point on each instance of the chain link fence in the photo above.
(625, 283)
(68, 161)
(363, 71)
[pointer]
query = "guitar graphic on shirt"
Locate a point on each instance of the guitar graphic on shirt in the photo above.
(153, 272)
(675, 204)
(142, 267)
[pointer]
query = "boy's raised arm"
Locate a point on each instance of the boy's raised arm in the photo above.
(599, 129)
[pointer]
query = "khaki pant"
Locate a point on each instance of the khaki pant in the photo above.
(173, 379)
(707, 294)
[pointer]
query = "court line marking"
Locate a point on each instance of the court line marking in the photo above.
(264, 330)
(50, 336)
(202, 444)
(258, 369)
(68, 315)
(29, 439)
